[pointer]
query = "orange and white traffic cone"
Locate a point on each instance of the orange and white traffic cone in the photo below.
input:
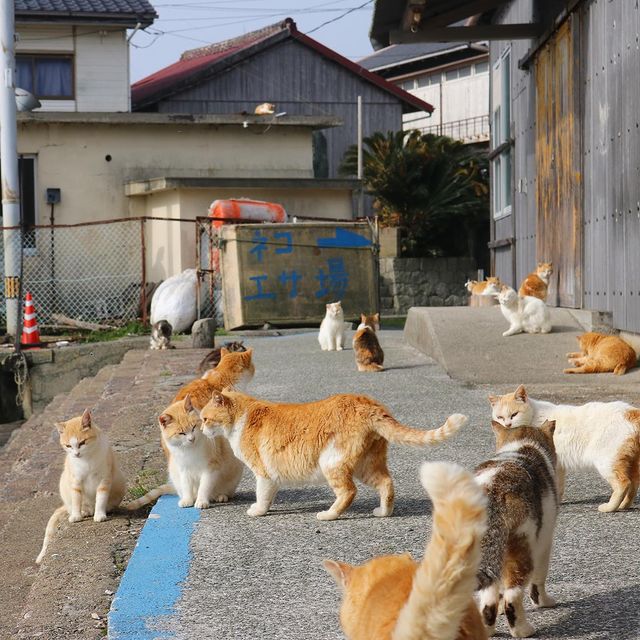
(30, 332)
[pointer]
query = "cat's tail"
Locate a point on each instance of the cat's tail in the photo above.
(443, 586)
(390, 429)
(372, 366)
(148, 498)
(48, 532)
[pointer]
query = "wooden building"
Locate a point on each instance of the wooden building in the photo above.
(565, 138)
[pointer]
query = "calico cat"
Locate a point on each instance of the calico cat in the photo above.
(600, 353)
(527, 314)
(201, 470)
(369, 353)
(331, 335)
(161, 335)
(521, 516)
(536, 284)
(394, 597)
(604, 435)
(489, 287)
(91, 482)
(211, 360)
(235, 369)
(341, 438)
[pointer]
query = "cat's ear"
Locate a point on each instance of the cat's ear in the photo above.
(340, 571)
(59, 426)
(248, 353)
(549, 427)
(223, 351)
(520, 394)
(217, 399)
(188, 406)
(86, 420)
(165, 420)
(377, 317)
(493, 400)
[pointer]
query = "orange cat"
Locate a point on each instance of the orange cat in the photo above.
(394, 597)
(490, 286)
(341, 438)
(537, 283)
(369, 353)
(600, 353)
(234, 369)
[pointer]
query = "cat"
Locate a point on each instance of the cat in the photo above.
(396, 597)
(600, 353)
(604, 435)
(527, 313)
(91, 482)
(331, 336)
(369, 353)
(521, 516)
(161, 335)
(235, 369)
(211, 360)
(536, 284)
(265, 109)
(341, 438)
(489, 287)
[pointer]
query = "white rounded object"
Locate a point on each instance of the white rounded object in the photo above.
(175, 301)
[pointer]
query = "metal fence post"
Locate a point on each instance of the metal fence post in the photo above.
(143, 289)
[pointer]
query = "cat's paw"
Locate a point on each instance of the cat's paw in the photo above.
(606, 508)
(75, 517)
(338, 348)
(522, 630)
(255, 510)
(185, 502)
(100, 517)
(327, 515)
(202, 504)
(545, 601)
(221, 498)
(382, 512)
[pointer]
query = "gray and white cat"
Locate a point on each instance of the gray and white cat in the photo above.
(522, 509)
(161, 335)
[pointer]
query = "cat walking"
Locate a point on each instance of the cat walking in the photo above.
(524, 314)
(332, 334)
(522, 510)
(91, 482)
(600, 353)
(369, 353)
(396, 598)
(340, 438)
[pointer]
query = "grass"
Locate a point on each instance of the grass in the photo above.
(134, 328)
(397, 322)
(146, 480)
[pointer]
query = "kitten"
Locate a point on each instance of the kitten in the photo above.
(536, 284)
(489, 287)
(91, 482)
(527, 314)
(331, 336)
(523, 506)
(369, 353)
(161, 335)
(600, 353)
(211, 360)
(604, 435)
(395, 597)
(341, 438)
(234, 370)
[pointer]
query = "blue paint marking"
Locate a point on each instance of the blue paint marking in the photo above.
(151, 583)
(343, 239)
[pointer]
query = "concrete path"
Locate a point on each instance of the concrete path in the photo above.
(220, 574)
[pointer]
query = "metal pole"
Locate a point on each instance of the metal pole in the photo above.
(361, 192)
(9, 168)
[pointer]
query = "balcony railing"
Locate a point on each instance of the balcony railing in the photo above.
(474, 129)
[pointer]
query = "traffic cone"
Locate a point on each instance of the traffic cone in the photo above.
(30, 332)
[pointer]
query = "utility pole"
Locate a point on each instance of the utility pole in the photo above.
(9, 166)
(360, 173)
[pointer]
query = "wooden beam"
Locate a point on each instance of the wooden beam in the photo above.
(448, 16)
(468, 34)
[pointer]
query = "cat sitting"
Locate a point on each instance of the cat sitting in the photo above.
(527, 313)
(341, 438)
(488, 287)
(211, 360)
(600, 353)
(161, 335)
(604, 435)
(91, 482)
(522, 508)
(369, 353)
(332, 334)
(394, 597)
(536, 284)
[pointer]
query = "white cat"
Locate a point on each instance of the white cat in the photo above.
(524, 313)
(604, 435)
(332, 334)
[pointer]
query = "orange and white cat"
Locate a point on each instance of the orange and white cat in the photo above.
(396, 598)
(604, 435)
(340, 438)
(489, 287)
(600, 353)
(369, 353)
(536, 284)
(91, 482)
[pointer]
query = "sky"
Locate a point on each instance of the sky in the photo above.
(188, 24)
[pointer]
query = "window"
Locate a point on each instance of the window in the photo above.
(408, 85)
(27, 181)
(500, 135)
(454, 74)
(481, 67)
(47, 77)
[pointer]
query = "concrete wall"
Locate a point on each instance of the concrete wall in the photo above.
(423, 282)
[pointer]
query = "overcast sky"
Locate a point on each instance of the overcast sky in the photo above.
(187, 24)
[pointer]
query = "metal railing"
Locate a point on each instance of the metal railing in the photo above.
(474, 129)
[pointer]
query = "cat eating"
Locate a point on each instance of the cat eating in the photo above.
(369, 354)
(600, 353)
(339, 438)
(527, 313)
(331, 336)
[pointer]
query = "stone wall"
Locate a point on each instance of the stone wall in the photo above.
(423, 282)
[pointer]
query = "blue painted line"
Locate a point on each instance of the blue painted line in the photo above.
(344, 239)
(151, 583)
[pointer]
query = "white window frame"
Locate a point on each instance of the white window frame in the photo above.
(502, 164)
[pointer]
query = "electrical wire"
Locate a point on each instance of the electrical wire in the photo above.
(346, 13)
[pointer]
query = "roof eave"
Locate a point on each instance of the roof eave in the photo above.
(129, 21)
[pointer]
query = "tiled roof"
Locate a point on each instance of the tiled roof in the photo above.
(117, 10)
(396, 54)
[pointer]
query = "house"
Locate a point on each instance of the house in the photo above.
(280, 65)
(452, 76)
(564, 140)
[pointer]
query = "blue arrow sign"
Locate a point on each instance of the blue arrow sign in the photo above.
(344, 239)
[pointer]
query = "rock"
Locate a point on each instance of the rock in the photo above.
(203, 332)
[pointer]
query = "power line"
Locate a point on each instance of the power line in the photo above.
(346, 13)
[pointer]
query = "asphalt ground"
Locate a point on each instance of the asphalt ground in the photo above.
(226, 575)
